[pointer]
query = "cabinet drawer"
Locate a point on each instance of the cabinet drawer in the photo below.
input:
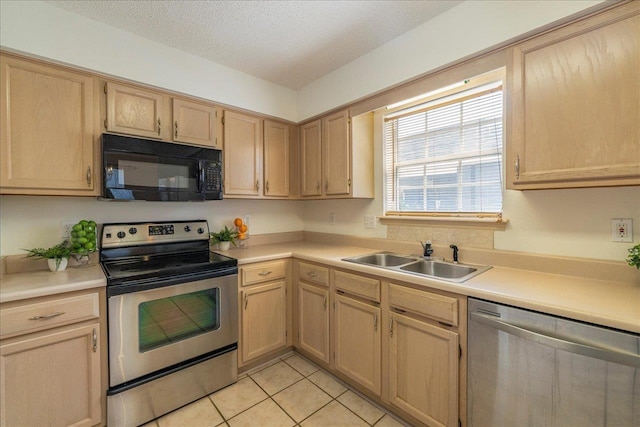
(263, 272)
(313, 273)
(358, 285)
(435, 306)
(45, 315)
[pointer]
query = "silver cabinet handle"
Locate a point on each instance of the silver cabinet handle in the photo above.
(266, 186)
(89, 176)
(176, 128)
(158, 127)
(257, 185)
(265, 273)
(246, 301)
(326, 186)
(325, 302)
(560, 343)
(312, 274)
(95, 340)
(391, 327)
(375, 322)
(318, 186)
(48, 316)
(517, 166)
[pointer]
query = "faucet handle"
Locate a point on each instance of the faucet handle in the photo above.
(427, 249)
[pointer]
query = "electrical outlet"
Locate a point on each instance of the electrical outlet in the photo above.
(622, 230)
(332, 218)
(369, 221)
(65, 228)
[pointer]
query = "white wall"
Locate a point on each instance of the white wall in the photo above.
(34, 221)
(463, 30)
(50, 32)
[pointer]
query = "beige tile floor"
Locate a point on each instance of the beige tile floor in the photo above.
(289, 391)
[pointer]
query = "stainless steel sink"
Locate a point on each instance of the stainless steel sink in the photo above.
(421, 267)
(382, 259)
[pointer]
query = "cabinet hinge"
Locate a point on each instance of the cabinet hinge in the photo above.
(105, 88)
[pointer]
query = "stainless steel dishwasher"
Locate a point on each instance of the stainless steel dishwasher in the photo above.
(531, 369)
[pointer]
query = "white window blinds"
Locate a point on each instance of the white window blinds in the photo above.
(445, 156)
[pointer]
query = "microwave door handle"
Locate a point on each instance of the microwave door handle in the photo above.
(201, 167)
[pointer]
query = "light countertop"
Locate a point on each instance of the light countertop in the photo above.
(611, 304)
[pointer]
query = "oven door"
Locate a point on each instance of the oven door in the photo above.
(162, 327)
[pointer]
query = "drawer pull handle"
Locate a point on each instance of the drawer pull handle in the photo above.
(48, 316)
(95, 341)
(265, 273)
(312, 274)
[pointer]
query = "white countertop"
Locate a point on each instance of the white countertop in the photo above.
(612, 304)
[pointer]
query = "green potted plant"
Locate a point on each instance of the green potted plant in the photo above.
(224, 238)
(634, 256)
(57, 256)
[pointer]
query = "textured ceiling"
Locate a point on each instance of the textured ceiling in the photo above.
(290, 43)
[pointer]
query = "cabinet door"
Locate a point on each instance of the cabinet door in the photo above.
(194, 123)
(264, 320)
(52, 379)
(47, 130)
(311, 159)
(357, 341)
(242, 154)
(423, 371)
(135, 111)
(313, 321)
(276, 159)
(336, 147)
(576, 99)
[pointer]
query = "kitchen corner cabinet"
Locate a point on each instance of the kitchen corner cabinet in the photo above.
(135, 111)
(313, 311)
(576, 104)
(263, 309)
(50, 362)
(357, 329)
(336, 157)
(47, 136)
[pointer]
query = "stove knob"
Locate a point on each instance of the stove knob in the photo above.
(121, 234)
(133, 230)
(200, 230)
(187, 228)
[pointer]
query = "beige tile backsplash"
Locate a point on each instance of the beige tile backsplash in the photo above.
(464, 237)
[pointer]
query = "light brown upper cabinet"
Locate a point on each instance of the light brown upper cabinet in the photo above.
(195, 123)
(576, 105)
(336, 157)
(47, 143)
(242, 155)
(136, 111)
(276, 159)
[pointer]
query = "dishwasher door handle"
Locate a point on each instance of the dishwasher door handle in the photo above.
(610, 355)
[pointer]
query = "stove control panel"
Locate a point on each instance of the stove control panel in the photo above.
(128, 234)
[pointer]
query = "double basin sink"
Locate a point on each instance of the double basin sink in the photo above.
(419, 266)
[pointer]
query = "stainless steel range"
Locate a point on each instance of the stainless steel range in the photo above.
(172, 312)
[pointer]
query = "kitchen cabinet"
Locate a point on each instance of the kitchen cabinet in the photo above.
(276, 159)
(47, 136)
(263, 310)
(424, 350)
(336, 157)
(576, 105)
(242, 155)
(50, 361)
(195, 123)
(313, 310)
(357, 330)
(133, 110)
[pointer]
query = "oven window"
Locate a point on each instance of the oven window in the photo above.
(167, 320)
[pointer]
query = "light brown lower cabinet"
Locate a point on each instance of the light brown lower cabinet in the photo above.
(423, 370)
(313, 320)
(50, 362)
(357, 341)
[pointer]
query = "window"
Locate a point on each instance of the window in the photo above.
(444, 156)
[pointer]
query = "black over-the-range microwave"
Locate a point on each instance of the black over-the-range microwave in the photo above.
(144, 169)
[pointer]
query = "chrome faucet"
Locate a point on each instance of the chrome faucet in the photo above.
(455, 253)
(427, 249)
